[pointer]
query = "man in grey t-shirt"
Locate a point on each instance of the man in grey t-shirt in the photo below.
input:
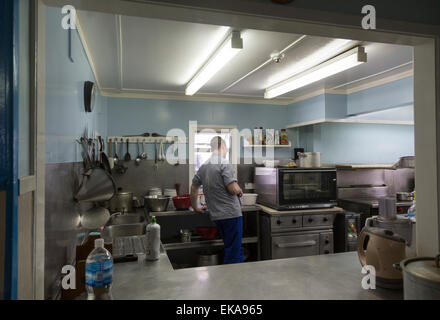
(222, 194)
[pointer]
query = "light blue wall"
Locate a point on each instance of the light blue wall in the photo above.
(307, 110)
(361, 143)
(389, 95)
(65, 116)
(133, 116)
(66, 120)
(335, 106)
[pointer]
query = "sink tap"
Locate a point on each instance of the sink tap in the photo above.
(111, 218)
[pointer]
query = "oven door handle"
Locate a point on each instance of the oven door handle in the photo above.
(296, 244)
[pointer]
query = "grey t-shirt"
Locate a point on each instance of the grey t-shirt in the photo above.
(215, 175)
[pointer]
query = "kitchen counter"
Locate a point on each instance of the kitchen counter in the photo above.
(335, 276)
(373, 202)
(276, 212)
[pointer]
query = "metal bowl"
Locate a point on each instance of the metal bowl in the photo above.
(157, 203)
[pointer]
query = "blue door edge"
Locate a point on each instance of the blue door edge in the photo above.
(9, 43)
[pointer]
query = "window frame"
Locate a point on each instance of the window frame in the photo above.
(234, 149)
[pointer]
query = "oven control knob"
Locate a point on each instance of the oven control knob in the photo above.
(326, 242)
(278, 222)
(310, 220)
(293, 221)
(325, 219)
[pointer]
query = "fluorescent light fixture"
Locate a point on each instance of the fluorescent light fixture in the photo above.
(226, 51)
(342, 62)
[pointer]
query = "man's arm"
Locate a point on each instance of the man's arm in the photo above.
(234, 189)
(194, 194)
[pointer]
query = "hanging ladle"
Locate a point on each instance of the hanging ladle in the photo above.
(138, 158)
(144, 154)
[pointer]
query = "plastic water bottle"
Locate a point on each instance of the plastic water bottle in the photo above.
(412, 210)
(99, 273)
(153, 240)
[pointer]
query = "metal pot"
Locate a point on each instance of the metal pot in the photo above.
(421, 278)
(121, 202)
(207, 258)
(156, 203)
(309, 159)
(405, 196)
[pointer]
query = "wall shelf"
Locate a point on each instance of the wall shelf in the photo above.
(169, 139)
(192, 212)
(268, 146)
(203, 243)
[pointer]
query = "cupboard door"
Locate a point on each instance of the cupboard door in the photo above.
(295, 246)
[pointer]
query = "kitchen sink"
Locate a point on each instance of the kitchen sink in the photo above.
(126, 219)
(124, 230)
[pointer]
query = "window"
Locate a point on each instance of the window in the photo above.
(200, 149)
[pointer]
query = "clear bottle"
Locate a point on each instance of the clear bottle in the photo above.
(412, 210)
(153, 240)
(99, 273)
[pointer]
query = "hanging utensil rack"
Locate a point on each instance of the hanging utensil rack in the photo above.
(165, 140)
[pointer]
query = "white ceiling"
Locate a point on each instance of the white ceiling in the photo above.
(150, 56)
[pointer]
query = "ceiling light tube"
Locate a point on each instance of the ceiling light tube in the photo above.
(226, 51)
(342, 62)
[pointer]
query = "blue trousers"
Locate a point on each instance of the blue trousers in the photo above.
(231, 231)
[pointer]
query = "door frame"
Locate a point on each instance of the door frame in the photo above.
(424, 38)
(9, 149)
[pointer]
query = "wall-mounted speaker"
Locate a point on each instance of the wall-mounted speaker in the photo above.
(89, 95)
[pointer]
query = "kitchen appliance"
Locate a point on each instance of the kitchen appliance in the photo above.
(382, 249)
(296, 151)
(346, 229)
(369, 207)
(249, 199)
(207, 258)
(309, 159)
(207, 233)
(296, 188)
(182, 202)
(405, 196)
(421, 278)
(402, 225)
(121, 202)
(156, 203)
(289, 235)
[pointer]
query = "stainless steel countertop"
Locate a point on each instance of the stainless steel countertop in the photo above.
(335, 276)
(374, 202)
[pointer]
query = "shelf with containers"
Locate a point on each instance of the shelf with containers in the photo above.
(267, 138)
(185, 254)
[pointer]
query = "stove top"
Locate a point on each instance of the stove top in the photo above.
(374, 202)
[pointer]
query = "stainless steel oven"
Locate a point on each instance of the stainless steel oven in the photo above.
(296, 188)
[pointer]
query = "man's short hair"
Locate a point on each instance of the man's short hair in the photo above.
(217, 142)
